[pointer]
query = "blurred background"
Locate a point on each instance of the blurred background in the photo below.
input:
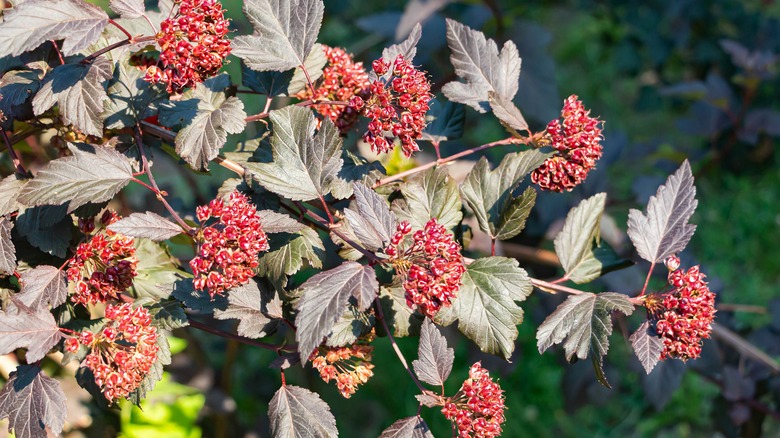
(672, 80)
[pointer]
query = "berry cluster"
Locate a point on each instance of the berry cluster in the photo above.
(104, 265)
(478, 408)
(122, 353)
(432, 266)
(349, 366)
(395, 105)
(193, 45)
(228, 245)
(577, 143)
(684, 315)
(342, 80)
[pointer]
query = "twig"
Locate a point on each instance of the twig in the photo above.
(207, 328)
(647, 279)
(14, 157)
(117, 44)
(397, 350)
(744, 347)
(119, 26)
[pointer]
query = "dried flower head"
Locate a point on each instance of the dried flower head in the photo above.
(683, 316)
(193, 45)
(103, 266)
(396, 106)
(478, 407)
(342, 80)
(228, 241)
(431, 264)
(124, 351)
(349, 366)
(578, 146)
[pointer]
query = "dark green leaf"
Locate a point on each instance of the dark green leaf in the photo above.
(297, 412)
(130, 98)
(647, 346)
(80, 92)
(37, 332)
(32, 402)
(148, 225)
(489, 193)
(17, 88)
(304, 164)
(582, 322)
(168, 314)
(48, 228)
(355, 169)
(92, 174)
(435, 358)
(445, 121)
(7, 249)
(197, 300)
(601, 260)
(285, 33)
(486, 308)
(430, 194)
(581, 231)
(324, 299)
(288, 252)
(32, 22)
(247, 303)
(157, 274)
(399, 316)
(411, 427)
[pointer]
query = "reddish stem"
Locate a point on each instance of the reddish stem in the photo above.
(381, 316)
(14, 157)
(207, 328)
(647, 279)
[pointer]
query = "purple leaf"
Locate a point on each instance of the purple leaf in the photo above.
(92, 174)
(274, 222)
(297, 412)
(435, 359)
(147, 225)
(411, 427)
(324, 299)
(372, 221)
(32, 401)
(665, 229)
(246, 303)
(9, 189)
(507, 112)
(647, 347)
(7, 249)
(128, 8)
(43, 286)
(429, 399)
(407, 48)
(32, 22)
(37, 332)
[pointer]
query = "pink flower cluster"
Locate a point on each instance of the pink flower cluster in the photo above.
(228, 246)
(578, 146)
(432, 265)
(124, 351)
(349, 366)
(684, 315)
(193, 45)
(103, 266)
(342, 80)
(396, 106)
(478, 408)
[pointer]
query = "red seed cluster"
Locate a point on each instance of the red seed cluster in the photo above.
(396, 106)
(685, 314)
(343, 80)
(193, 45)
(122, 354)
(349, 366)
(478, 408)
(432, 265)
(578, 146)
(103, 266)
(228, 242)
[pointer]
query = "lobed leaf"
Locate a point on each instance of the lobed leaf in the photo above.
(324, 299)
(305, 164)
(430, 194)
(581, 230)
(286, 83)
(92, 174)
(246, 303)
(507, 112)
(444, 121)
(350, 326)
(147, 225)
(17, 88)
(32, 22)
(435, 359)
(32, 402)
(42, 286)
(647, 346)
(80, 92)
(285, 33)
(7, 249)
(486, 308)
(371, 221)
(168, 314)
(37, 332)
(664, 230)
(410, 427)
(296, 412)
(399, 316)
(10, 187)
(48, 228)
(274, 222)
(291, 250)
(130, 98)
(582, 322)
(157, 274)
(407, 48)
(128, 8)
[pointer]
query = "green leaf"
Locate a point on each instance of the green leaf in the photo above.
(216, 115)
(285, 33)
(32, 22)
(18, 88)
(601, 260)
(581, 231)
(350, 326)
(445, 121)
(247, 303)
(80, 92)
(297, 412)
(48, 228)
(403, 320)
(489, 193)
(7, 249)
(324, 299)
(92, 174)
(274, 222)
(155, 372)
(168, 314)
(157, 274)
(486, 308)
(304, 164)
(430, 194)
(32, 402)
(371, 220)
(130, 98)
(288, 250)
(582, 322)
